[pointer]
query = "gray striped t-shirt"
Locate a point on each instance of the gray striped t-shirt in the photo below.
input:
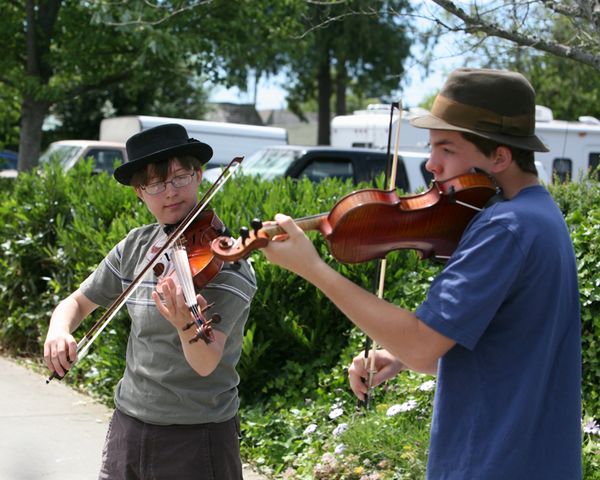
(158, 385)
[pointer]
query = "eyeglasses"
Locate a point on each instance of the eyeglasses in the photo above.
(159, 187)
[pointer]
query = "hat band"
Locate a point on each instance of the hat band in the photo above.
(476, 118)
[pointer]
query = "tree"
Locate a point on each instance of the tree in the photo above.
(58, 53)
(64, 52)
(529, 23)
(571, 87)
(349, 45)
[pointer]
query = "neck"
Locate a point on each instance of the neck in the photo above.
(512, 184)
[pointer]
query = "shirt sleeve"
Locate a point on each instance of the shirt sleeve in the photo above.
(465, 296)
(105, 284)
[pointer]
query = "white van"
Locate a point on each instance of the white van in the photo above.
(574, 146)
(228, 140)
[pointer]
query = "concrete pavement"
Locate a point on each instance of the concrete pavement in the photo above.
(50, 432)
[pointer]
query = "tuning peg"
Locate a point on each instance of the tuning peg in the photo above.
(215, 318)
(208, 307)
(245, 234)
(203, 333)
(256, 225)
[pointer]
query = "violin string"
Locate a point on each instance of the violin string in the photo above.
(184, 275)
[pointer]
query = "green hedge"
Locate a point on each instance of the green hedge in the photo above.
(55, 228)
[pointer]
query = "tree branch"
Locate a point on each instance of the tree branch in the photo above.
(475, 23)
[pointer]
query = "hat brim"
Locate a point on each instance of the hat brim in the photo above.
(201, 151)
(432, 122)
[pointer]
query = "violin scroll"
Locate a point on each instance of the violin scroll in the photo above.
(231, 250)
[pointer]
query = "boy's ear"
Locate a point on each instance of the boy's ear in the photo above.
(501, 160)
(138, 191)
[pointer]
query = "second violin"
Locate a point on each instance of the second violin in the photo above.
(368, 224)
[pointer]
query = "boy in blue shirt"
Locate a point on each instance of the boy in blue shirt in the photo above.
(500, 325)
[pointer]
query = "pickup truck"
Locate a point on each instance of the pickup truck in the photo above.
(69, 152)
(320, 162)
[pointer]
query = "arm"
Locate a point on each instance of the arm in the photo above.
(60, 348)
(202, 357)
(398, 330)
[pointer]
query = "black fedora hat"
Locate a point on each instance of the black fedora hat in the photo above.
(494, 104)
(157, 144)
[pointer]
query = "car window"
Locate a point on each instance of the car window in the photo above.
(270, 163)
(104, 159)
(594, 164)
(375, 165)
(320, 169)
(64, 154)
(8, 160)
(562, 168)
(427, 175)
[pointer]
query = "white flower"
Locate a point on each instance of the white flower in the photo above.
(404, 407)
(339, 449)
(335, 413)
(427, 386)
(393, 410)
(310, 429)
(591, 427)
(341, 428)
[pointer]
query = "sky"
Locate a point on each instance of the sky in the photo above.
(270, 95)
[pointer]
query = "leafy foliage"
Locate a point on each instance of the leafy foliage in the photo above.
(56, 227)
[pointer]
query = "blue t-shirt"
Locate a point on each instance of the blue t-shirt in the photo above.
(508, 398)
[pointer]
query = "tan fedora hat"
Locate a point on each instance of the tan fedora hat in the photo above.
(494, 104)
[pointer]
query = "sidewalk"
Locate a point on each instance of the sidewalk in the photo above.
(50, 432)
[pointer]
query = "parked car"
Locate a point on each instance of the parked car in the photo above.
(69, 152)
(8, 164)
(320, 162)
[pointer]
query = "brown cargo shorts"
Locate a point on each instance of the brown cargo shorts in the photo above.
(135, 450)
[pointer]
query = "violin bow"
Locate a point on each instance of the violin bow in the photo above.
(85, 343)
(390, 181)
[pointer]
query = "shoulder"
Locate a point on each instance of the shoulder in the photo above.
(237, 278)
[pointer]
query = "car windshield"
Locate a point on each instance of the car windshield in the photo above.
(270, 163)
(64, 154)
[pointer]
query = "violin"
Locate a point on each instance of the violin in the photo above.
(368, 224)
(195, 266)
(196, 240)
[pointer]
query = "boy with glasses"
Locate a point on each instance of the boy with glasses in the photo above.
(177, 403)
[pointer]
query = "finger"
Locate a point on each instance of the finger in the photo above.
(287, 224)
(72, 351)
(357, 386)
(379, 378)
(280, 238)
(63, 355)
(359, 366)
(47, 357)
(180, 299)
(162, 309)
(55, 360)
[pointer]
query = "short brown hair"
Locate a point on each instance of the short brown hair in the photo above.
(161, 169)
(523, 158)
